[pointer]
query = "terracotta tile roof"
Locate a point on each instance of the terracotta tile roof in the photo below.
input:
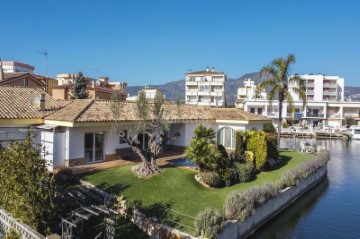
(15, 103)
(100, 111)
(10, 75)
(72, 111)
(235, 114)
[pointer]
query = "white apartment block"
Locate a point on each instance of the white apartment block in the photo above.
(206, 88)
(13, 66)
(325, 104)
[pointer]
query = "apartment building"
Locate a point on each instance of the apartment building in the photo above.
(14, 66)
(99, 88)
(325, 103)
(206, 88)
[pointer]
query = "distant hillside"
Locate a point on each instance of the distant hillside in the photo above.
(174, 88)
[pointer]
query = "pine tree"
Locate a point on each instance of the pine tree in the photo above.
(78, 90)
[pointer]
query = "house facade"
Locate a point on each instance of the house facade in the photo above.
(86, 126)
(205, 88)
(325, 105)
(78, 132)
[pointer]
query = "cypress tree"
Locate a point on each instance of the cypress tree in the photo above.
(78, 90)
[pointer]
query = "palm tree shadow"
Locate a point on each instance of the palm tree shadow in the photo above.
(115, 189)
(284, 161)
(163, 214)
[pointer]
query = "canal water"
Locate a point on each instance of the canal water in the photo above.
(331, 209)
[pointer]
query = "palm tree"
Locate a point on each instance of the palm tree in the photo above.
(278, 80)
(202, 149)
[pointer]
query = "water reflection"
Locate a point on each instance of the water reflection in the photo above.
(331, 210)
(282, 226)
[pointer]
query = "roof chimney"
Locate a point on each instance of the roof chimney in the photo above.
(207, 69)
(212, 69)
(42, 101)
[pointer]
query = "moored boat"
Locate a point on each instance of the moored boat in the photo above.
(354, 132)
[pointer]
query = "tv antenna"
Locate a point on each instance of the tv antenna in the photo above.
(45, 54)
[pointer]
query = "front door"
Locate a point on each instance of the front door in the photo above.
(94, 147)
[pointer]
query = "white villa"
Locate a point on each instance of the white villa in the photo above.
(205, 88)
(325, 103)
(79, 132)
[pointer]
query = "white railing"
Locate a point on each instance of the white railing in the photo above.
(8, 223)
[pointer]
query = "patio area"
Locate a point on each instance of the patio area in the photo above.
(161, 161)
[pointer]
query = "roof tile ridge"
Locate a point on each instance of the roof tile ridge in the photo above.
(84, 109)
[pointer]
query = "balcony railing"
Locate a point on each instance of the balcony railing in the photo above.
(310, 85)
(329, 93)
(328, 85)
(314, 115)
(310, 92)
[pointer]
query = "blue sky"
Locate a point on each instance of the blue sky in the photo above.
(153, 41)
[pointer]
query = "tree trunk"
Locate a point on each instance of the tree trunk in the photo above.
(279, 124)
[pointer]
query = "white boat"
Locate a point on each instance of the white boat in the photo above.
(354, 132)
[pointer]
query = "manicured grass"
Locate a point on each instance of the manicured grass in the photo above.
(177, 189)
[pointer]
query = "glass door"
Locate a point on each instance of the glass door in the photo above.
(94, 147)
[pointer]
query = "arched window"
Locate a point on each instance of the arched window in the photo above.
(226, 137)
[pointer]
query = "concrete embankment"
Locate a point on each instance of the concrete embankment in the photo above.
(234, 229)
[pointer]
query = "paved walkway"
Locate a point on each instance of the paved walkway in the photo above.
(88, 168)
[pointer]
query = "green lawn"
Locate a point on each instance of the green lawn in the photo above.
(176, 189)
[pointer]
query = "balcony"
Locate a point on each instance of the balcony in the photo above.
(329, 93)
(216, 83)
(329, 85)
(310, 85)
(314, 115)
(191, 93)
(310, 92)
(298, 116)
(353, 115)
(191, 83)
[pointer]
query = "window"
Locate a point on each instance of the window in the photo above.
(259, 111)
(226, 137)
(204, 88)
(122, 140)
(94, 147)
(252, 110)
(26, 82)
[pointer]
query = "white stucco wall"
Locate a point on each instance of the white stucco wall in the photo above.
(186, 132)
(75, 140)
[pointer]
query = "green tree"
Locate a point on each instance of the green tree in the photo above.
(27, 190)
(279, 81)
(349, 120)
(202, 149)
(151, 126)
(78, 89)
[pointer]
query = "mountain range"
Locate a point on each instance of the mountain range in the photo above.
(176, 89)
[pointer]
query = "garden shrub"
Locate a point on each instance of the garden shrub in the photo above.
(132, 205)
(257, 144)
(269, 128)
(285, 125)
(249, 156)
(12, 234)
(239, 205)
(272, 150)
(245, 171)
(212, 179)
(209, 223)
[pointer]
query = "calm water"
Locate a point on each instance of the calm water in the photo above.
(331, 209)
